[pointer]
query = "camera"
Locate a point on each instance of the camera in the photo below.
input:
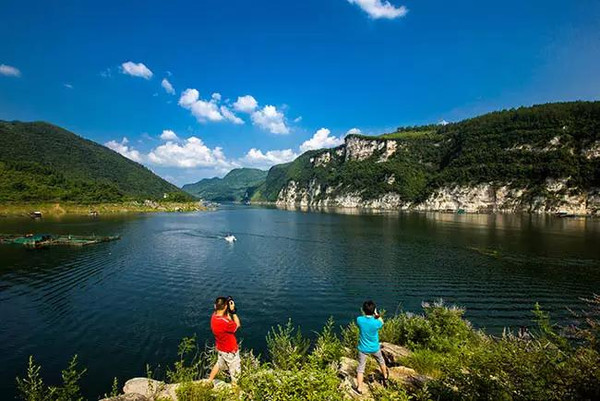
(234, 310)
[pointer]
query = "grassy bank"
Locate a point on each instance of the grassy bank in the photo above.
(63, 208)
(452, 360)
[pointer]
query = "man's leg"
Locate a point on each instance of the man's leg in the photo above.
(218, 366)
(362, 362)
(384, 370)
(214, 372)
(235, 367)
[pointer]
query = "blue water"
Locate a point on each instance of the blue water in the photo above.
(123, 304)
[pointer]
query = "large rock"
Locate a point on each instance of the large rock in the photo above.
(151, 389)
(393, 353)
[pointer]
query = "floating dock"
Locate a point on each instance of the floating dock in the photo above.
(37, 241)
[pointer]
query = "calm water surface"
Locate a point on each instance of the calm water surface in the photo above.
(121, 305)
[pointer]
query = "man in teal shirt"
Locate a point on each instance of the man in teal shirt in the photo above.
(368, 342)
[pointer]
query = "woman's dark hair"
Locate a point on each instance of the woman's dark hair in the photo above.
(369, 307)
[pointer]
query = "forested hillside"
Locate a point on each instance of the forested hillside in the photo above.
(43, 162)
(536, 154)
(234, 187)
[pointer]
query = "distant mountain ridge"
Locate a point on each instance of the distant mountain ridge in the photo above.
(544, 158)
(237, 186)
(42, 162)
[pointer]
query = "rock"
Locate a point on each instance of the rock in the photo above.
(127, 397)
(151, 389)
(347, 387)
(392, 353)
(407, 376)
(347, 367)
(219, 384)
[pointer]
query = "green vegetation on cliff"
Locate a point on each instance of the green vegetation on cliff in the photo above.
(238, 185)
(521, 147)
(40, 162)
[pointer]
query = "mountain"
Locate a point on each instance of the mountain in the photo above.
(236, 186)
(544, 158)
(43, 162)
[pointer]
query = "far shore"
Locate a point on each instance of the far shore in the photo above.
(73, 208)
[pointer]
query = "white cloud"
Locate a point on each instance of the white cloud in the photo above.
(298, 119)
(443, 122)
(245, 104)
(229, 115)
(68, 86)
(167, 86)
(124, 149)
(168, 135)
(380, 8)
(256, 158)
(353, 131)
(203, 111)
(321, 139)
(216, 97)
(192, 153)
(106, 73)
(270, 119)
(136, 70)
(9, 71)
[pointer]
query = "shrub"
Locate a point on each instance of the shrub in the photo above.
(287, 348)
(425, 361)
(328, 348)
(193, 364)
(350, 339)
(32, 387)
(203, 392)
(307, 384)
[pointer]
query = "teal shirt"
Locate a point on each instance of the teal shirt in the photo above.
(368, 341)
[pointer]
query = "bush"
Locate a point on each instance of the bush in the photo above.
(193, 364)
(328, 348)
(350, 339)
(308, 384)
(32, 387)
(287, 348)
(203, 392)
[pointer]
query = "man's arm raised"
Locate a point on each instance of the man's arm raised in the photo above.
(233, 314)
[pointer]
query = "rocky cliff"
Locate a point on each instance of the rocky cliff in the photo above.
(543, 159)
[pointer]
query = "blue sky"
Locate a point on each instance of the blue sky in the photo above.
(307, 71)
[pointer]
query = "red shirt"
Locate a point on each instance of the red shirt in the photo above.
(224, 330)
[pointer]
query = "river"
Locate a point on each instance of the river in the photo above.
(123, 304)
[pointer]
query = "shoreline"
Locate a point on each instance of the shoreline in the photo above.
(458, 212)
(55, 209)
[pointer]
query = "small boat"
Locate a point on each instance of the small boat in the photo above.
(230, 238)
(35, 215)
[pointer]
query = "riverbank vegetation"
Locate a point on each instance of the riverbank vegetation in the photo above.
(82, 209)
(448, 360)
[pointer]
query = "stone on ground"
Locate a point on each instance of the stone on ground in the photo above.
(151, 389)
(127, 397)
(347, 367)
(393, 353)
(407, 377)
